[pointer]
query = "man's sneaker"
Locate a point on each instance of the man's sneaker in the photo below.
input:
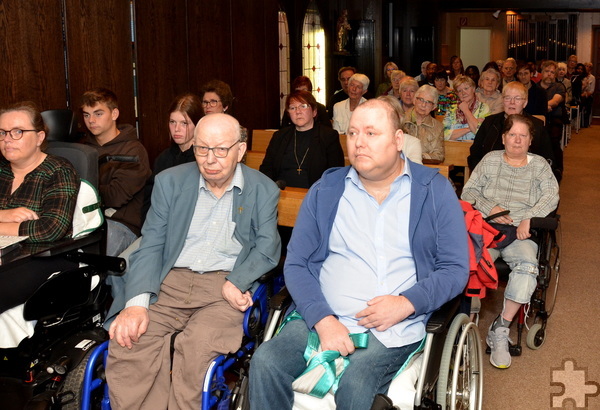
(498, 341)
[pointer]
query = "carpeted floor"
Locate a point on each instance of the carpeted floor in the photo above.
(571, 353)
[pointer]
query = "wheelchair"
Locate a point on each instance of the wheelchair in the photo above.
(42, 371)
(226, 376)
(534, 316)
(446, 374)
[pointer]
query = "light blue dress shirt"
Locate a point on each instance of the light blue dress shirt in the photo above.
(370, 256)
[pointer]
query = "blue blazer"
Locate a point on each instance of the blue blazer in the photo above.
(163, 235)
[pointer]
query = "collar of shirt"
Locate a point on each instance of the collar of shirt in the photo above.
(354, 178)
(427, 122)
(237, 181)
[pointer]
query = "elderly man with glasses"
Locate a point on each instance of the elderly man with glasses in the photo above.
(210, 233)
(489, 135)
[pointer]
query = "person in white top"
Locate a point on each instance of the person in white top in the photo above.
(357, 87)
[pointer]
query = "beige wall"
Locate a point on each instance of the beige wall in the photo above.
(450, 33)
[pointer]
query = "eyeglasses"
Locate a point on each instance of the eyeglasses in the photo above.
(508, 98)
(219, 152)
(296, 107)
(212, 103)
(424, 101)
(15, 133)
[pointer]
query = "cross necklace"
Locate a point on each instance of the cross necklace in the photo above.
(299, 163)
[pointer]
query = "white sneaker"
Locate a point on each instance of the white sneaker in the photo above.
(498, 341)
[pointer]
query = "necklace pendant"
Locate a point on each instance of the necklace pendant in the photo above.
(299, 171)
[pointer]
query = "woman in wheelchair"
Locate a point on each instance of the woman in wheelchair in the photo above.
(38, 193)
(520, 186)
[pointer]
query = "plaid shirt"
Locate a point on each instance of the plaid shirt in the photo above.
(50, 190)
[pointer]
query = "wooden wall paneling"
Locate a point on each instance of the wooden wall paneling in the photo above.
(31, 44)
(100, 51)
(256, 64)
(161, 67)
(210, 48)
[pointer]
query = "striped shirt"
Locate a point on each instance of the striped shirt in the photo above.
(527, 192)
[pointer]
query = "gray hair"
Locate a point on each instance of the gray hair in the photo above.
(361, 78)
(430, 91)
(407, 82)
(488, 72)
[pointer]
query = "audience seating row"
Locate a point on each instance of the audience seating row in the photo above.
(456, 152)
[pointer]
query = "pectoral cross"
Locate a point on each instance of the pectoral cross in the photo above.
(299, 171)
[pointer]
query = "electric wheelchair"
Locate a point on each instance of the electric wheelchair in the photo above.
(41, 371)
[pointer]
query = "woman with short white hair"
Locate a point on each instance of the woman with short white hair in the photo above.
(342, 111)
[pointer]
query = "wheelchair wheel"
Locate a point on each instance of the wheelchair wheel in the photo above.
(536, 336)
(553, 269)
(460, 382)
(70, 391)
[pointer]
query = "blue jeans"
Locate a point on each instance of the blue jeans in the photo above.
(521, 257)
(119, 237)
(279, 361)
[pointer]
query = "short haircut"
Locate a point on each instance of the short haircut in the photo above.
(430, 91)
(394, 109)
(548, 63)
(400, 73)
(99, 95)
(408, 82)
(189, 104)
(347, 68)
(523, 67)
(561, 65)
(361, 78)
(440, 74)
(510, 60)
(303, 96)
(32, 110)
(302, 81)
(518, 118)
(220, 88)
(515, 85)
(490, 71)
(463, 79)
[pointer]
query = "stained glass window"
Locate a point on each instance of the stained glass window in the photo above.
(284, 61)
(313, 51)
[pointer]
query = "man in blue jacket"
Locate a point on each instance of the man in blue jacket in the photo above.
(376, 248)
(210, 233)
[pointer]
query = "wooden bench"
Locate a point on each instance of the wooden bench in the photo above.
(290, 200)
(254, 159)
(456, 154)
(261, 139)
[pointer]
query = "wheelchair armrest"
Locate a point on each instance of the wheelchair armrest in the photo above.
(66, 245)
(440, 319)
(548, 223)
(281, 300)
(115, 265)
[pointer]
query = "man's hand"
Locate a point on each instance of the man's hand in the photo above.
(384, 312)
(523, 229)
(20, 214)
(504, 219)
(131, 323)
(235, 297)
(333, 335)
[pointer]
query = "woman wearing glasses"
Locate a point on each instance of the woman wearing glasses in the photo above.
(489, 136)
(300, 153)
(38, 193)
(419, 123)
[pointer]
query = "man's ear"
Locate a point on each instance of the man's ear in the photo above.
(399, 138)
(115, 114)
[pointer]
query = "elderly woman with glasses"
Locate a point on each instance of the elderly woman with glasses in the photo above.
(358, 85)
(38, 193)
(419, 123)
(463, 119)
(489, 136)
(300, 153)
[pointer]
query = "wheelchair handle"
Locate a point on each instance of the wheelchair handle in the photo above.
(549, 224)
(113, 264)
(496, 215)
